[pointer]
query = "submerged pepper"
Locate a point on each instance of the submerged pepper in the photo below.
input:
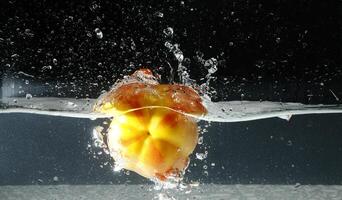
(150, 133)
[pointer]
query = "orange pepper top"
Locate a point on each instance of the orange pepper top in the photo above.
(139, 94)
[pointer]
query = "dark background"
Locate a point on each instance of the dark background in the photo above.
(269, 50)
(266, 50)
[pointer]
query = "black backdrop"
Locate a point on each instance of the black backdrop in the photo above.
(268, 50)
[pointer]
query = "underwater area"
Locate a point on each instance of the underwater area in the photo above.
(241, 99)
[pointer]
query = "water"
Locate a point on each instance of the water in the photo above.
(252, 160)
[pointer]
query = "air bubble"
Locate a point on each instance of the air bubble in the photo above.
(71, 104)
(297, 185)
(28, 96)
(55, 178)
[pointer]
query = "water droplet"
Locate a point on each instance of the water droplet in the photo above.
(159, 14)
(201, 156)
(100, 76)
(200, 140)
(94, 6)
(179, 55)
(47, 67)
(168, 32)
(278, 40)
(28, 32)
(133, 45)
(99, 33)
(27, 82)
(15, 55)
(212, 70)
(89, 34)
(168, 45)
(211, 64)
(54, 61)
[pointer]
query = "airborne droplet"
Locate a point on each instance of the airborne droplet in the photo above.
(99, 33)
(159, 14)
(168, 32)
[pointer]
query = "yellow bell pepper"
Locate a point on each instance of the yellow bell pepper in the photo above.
(154, 139)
